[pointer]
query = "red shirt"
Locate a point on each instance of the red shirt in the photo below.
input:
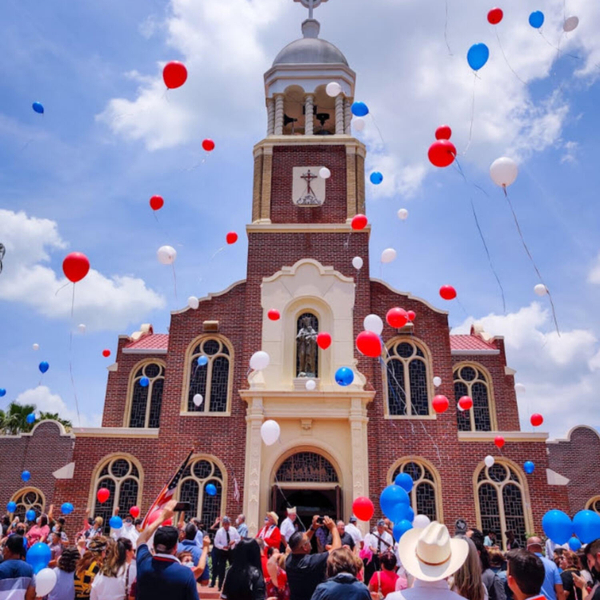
(271, 535)
(388, 582)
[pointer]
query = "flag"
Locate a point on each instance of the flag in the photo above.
(236, 490)
(168, 491)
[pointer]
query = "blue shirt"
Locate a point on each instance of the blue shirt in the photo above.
(343, 586)
(242, 529)
(192, 547)
(552, 577)
(16, 576)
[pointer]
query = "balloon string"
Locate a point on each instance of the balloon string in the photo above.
(556, 47)
(506, 59)
(71, 358)
(437, 448)
(463, 308)
(174, 280)
(472, 117)
(378, 130)
(446, 31)
(347, 242)
(217, 252)
(62, 287)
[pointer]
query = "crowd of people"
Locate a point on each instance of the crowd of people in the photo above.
(327, 560)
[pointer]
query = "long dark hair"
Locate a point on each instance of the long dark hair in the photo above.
(243, 572)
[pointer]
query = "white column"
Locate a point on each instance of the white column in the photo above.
(360, 451)
(279, 114)
(254, 420)
(339, 114)
(309, 102)
(270, 116)
(348, 107)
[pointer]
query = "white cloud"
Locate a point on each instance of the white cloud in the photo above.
(594, 273)
(101, 302)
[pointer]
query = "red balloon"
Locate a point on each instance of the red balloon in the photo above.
(369, 344)
(495, 16)
(106, 353)
(440, 404)
(411, 315)
(537, 419)
(208, 145)
(443, 133)
(447, 292)
(323, 340)
(174, 74)
(231, 237)
(134, 511)
(155, 514)
(397, 317)
(499, 441)
(359, 222)
(76, 266)
(363, 508)
(103, 495)
(466, 402)
(274, 315)
(156, 202)
(442, 153)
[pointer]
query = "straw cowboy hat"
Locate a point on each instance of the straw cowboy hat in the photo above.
(430, 554)
(273, 516)
(291, 510)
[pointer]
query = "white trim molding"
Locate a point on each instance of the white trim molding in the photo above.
(509, 436)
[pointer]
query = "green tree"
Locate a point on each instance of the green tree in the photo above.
(14, 420)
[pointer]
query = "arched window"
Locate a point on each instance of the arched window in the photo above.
(121, 477)
(593, 504)
(28, 499)
(211, 380)
(500, 497)
(192, 488)
(307, 351)
(308, 467)
(469, 380)
(407, 375)
(146, 399)
(424, 496)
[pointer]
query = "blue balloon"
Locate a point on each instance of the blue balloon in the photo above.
(144, 382)
(477, 56)
(405, 481)
(376, 178)
(30, 515)
(401, 528)
(30, 418)
(536, 19)
(360, 109)
(403, 512)
(25, 475)
(38, 556)
(2, 392)
(202, 361)
(67, 508)
(44, 366)
(344, 376)
(529, 466)
(557, 526)
(116, 522)
(574, 544)
(390, 498)
(586, 524)
(11, 507)
(211, 489)
(38, 107)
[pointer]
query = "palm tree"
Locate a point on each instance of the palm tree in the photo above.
(14, 420)
(46, 416)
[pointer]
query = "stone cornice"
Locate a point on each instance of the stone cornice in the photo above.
(509, 436)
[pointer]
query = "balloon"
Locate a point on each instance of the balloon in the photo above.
(30, 418)
(477, 56)
(38, 556)
(405, 481)
(536, 419)
(499, 442)
(259, 360)
(144, 382)
(574, 544)
(274, 315)
(333, 89)
(67, 508)
(81, 328)
(344, 376)
(323, 340)
(373, 323)
(270, 431)
(528, 467)
(103, 495)
(36, 346)
(447, 292)
(465, 403)
(359, 222)
(38, 107)
(43, 366)
(202, 360)
(376, 178)
(570, 24)
(403, 512)
(495, 16)
(540, 289)
(520, 388)
(11, 507)
(390, 497)
(174, 74)
(440, 404)
(30, 515)
(116, 522)
(324, 173)
(106, 353)
(421, 521)
(76, 266)
(443, 133)
(45, 581)
(25, 475)
(360, 109)
(403, 214)
(155, 514)
(442, 153)
(586, 524)
(311, 385)
(156, 202)
(536, 19)
(401, 528)
(211, 489)
(166, 255)
(193, 302)
(504, 171)
(134, 511)
(363, 508)
(197, 399)
(357, 263)
(489, 461)
(369, 344)
(396, 317)
(388, 255)
(2, 392)
(557, 526)
(208, 145)
(359, 124)
(231, 237)
(412, 315)
(437, 381)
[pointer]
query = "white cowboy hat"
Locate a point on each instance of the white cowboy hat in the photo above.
(429, 554)
(291, 510)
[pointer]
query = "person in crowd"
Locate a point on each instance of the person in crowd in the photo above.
(467, 582)
(550, 547)
(558, 552)
(240, 525)
(347, 539)
(306, 571)
(512, 543)
(128, 531)
(276, 581)
(56, 548)
(65, 573)
(552, 587)
(354, 531)
(212, 531)
(265, 554)
(40, 532)
(342, 584)
(270, 532)
(226, 539)
(493, 584)
(569, 563)
(199, 554)
(380, 541)
(489, 540)
(96, 528)
(16, 576)
(383, 582)
(245, 580)
(109, 583)
(430, 556)
(290, 524)
(497, 563)
(592, 556)
(162, 576)
(89, 566)
(525, 575)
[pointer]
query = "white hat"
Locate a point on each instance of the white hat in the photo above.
(291, 510)
(429, 554)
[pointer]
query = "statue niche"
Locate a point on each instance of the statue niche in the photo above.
(307, 351)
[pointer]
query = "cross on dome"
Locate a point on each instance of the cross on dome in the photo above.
(310, 4)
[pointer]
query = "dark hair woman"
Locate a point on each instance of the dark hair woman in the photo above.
(65, 571)
(245, 580)
(384, 581)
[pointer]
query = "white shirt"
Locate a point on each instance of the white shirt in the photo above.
(385, 537)
(108, 588)
(426, 590)
(354, 531)
(287, 528)
(221, 538)
(551, 546)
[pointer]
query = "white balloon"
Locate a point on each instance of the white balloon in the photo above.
(489, 461)
(45, 581)
(166, 255)
(504, 171)
(198, 399)
(81, 328)
(540, 289)
(388, 255)
(373, 323)
(260, 360)
(421, 521)
(36, 346)
(359, 123)
(193, 302)
(570, 24)
(324, 173)
(311, 384)
(357, 263)
(403, 214)
(269, 431)
(437, 381)
(333, 89)
(520, 388)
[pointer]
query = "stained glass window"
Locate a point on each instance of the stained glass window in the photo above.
(121, 477)
(306, 467)
(146, 400)
(28, 499)
(471, 381)
(407, 379)
(192, 488)
(211, 380)
(311, 323)
(424, 495)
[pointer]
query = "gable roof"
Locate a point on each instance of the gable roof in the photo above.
(462, 344)
(155, 343)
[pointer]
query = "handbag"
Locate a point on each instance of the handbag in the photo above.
(378, 595)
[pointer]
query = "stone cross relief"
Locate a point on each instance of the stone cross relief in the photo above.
(310, 4)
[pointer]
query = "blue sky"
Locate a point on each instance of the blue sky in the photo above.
(79, 177)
